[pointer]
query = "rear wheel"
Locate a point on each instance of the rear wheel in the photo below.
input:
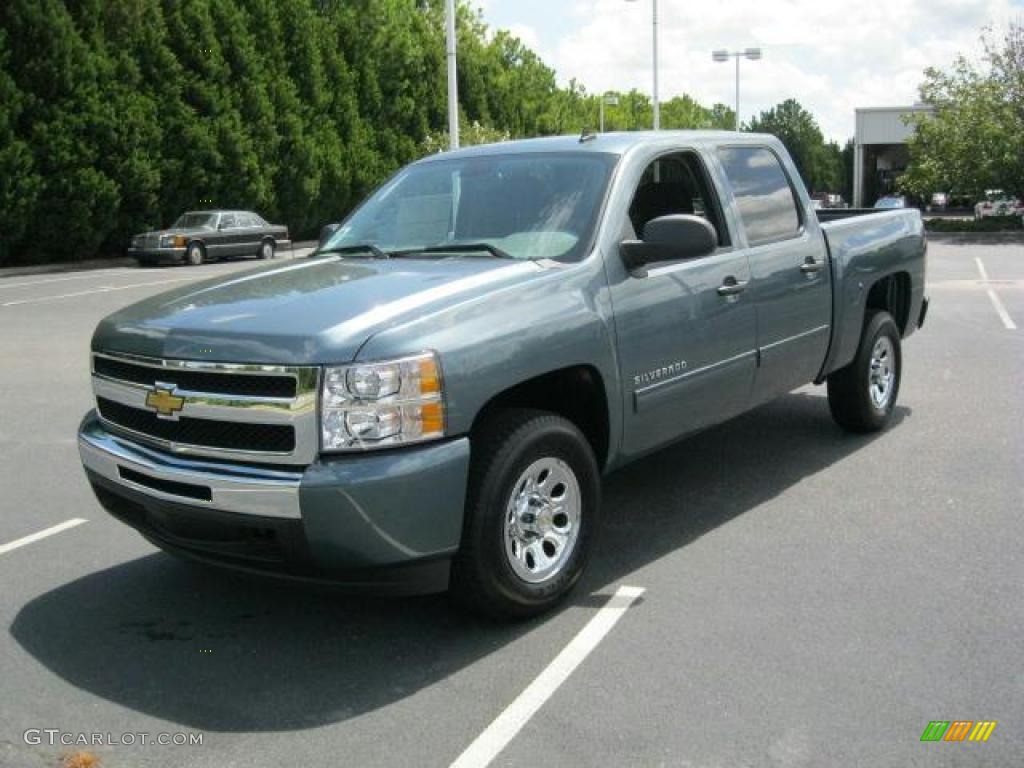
(862, 396)
(267, 249)
(531, 516)
(194, 254)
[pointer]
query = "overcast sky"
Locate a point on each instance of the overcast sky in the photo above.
(831, 56)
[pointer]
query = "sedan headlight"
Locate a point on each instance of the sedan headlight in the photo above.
(374, 405)
(172, 241)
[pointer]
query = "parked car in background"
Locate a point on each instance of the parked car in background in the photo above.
(939, 202)
(835, 201)
(198, 236)
(998, 203)
(891, 201)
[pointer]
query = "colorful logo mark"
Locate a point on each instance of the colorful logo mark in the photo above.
(958, 730)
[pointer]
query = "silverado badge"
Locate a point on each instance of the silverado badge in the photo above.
(164, 402)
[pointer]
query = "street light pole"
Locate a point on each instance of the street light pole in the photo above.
(654, 56)
(611, 101)
(453, 81)
(748, 53)
(737, 113)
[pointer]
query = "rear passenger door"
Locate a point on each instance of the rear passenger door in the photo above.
(790, 281)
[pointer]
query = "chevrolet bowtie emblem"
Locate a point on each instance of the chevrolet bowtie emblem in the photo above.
(164, 402)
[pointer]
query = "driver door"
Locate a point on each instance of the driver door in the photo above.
(686, 330)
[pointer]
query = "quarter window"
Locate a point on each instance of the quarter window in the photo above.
(764, 196)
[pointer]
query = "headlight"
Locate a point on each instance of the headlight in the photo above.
(374, 405)
(172, 241)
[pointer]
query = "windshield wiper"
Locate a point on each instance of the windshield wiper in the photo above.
(493, 250)
(370, 248)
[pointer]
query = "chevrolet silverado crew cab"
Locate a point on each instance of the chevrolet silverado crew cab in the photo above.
(430, 399)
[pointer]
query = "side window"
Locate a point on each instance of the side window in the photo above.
(228, 221)
(676, 184)
(764, 196)
(247, 220)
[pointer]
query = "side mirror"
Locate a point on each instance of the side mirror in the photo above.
(326, 232)
(670, 238)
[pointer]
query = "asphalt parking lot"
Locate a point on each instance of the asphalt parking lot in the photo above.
(810, 598)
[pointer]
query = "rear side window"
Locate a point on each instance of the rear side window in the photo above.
(764, 196)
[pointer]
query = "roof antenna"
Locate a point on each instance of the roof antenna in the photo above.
(587, 135)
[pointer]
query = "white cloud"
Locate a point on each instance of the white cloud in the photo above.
(831, 55)
(528, 35)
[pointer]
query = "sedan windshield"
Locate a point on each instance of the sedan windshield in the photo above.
(527, 206)
(889, 202)
(195, 220)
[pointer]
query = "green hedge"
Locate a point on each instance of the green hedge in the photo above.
(117, 115)
(989, 224)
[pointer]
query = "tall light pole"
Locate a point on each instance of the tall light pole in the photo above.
(611, 101)
(748, 53)
(453, 82)
(654, 57)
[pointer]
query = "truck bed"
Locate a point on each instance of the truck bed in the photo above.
(863, 245)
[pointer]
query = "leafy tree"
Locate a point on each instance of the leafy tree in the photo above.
(974, 139)
(818, 163)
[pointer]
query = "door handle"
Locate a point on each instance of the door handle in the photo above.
(811, 266)
(731, 286)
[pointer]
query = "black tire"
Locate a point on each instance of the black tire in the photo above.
(195, 254)
(266, 249)
(850, 389)
(483, 577)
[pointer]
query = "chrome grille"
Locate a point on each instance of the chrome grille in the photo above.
(253, 413)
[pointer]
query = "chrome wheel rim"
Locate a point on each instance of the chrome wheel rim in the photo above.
(882, 372)
(195, 256)
(542, 520)
(267, 251)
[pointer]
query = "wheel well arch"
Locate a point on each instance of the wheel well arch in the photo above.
(892, 294)
(576, 393)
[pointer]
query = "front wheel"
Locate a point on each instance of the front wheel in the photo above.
(194, 254)
(531, 515)
(862, 396)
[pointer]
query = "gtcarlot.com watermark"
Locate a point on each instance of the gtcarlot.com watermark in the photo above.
(54, 737)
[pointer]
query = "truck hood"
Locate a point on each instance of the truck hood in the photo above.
(314, 311)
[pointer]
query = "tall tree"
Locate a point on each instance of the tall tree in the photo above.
(974, 139)
(797, 129)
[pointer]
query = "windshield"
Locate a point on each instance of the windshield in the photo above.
(889, 202)
(194, 220)
(528, 206)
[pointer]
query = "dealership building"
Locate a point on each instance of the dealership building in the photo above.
(880, 150)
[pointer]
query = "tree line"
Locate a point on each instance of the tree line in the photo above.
(117, 115)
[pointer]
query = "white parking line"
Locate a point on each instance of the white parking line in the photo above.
(996, 302)
(91, 274)
(5, 548)
(499, 733)
(101, 289)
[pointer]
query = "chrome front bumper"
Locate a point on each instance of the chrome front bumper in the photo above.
(226, 487)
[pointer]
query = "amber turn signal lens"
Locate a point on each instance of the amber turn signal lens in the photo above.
(432, 418)
(430, 379)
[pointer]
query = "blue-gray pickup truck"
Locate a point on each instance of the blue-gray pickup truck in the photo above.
(430, 400)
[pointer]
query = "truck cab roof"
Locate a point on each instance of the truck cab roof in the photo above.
(618, 143)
